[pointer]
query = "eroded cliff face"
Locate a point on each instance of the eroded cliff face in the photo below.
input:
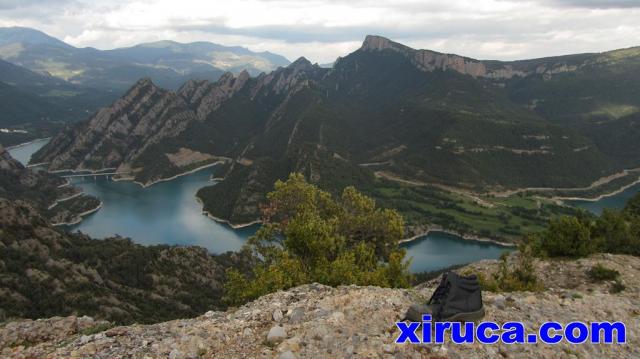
(205, 97)
(117, 134)
(316, 321)
(385, 108)
(427, 60)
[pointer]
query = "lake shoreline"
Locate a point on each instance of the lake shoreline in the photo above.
(149, 184)
(466, 237)
(79, 217)
(26, 143)
(594, 185)
(224, 221)
(600, 197)
(55, 203)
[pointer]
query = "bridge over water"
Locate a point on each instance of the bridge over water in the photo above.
(94, 175)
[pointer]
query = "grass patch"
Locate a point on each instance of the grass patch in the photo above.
(512, 276)
(505, 219)
(599, 273)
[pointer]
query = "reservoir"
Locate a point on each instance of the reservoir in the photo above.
(168, 213)
(616, 201)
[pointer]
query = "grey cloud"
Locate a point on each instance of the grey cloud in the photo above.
(511, 29)
(20, 4)
(597, 4)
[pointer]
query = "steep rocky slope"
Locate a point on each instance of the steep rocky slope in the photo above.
(383, 111)
(315, 321)
(58, 201)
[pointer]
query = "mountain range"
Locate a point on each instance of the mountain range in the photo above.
(383, 114)
(45, 82)
(168, 63)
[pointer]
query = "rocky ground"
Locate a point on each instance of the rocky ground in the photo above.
(315, 321)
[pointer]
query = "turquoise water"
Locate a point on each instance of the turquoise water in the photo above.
(23, 153)
(167, 213)
(617, 201)
(440, 250)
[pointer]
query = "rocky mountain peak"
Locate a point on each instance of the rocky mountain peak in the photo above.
(428, 61)
(142, 87)
(301, 63)
(240, 80)
(375, 42)
(226, 77)
(144, 82)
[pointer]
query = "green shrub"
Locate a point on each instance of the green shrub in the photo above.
(616, 232)
(511, 277)
(632, 208)
(578, 236)
(600, 272)
(309, 236)
(566, 237)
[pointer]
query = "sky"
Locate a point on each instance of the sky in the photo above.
(322, 30)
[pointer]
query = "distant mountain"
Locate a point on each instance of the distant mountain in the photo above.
(383, 113)
(168, 63)
(187, 57)
(14, 36)
(40, 104)
(31, 81)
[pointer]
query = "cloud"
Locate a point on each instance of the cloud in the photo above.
(597, 4)
(21, 4)
(322, 30)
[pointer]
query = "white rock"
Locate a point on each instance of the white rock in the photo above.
(277, 315)
(287, 355)
(176, 354)
(296, 315)
(276, 334)
(85, 339)
(209, 314)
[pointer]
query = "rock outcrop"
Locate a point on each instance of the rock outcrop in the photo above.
(428, 60)
(116, 135)
(57, 201)
(205, 97)
(316, 321)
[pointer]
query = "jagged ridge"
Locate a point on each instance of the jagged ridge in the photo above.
(386, 110)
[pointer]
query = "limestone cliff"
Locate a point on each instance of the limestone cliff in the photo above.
(416, 115)
(428, 60)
